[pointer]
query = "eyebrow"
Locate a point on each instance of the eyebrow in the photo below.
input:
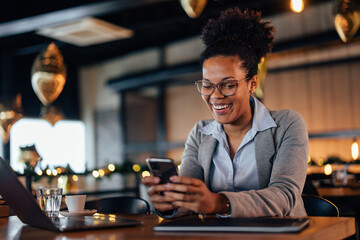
(224, 79)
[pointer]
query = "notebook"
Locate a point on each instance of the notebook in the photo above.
(213, 224)
(26, 208)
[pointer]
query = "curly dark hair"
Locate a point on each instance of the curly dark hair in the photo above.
(239, 34)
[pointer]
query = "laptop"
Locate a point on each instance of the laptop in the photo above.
(213, 224)
(24, 205)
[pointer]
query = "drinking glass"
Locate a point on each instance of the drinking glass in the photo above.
(51, 201)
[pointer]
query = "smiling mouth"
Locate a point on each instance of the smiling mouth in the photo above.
(221, 107)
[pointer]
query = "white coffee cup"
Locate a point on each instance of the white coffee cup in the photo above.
(75, 203)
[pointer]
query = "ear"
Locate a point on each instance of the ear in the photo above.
(252, 84)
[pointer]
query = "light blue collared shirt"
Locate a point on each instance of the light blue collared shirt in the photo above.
(240, 173)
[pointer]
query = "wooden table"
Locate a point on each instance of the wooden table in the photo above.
(338, 191)
(319, 228)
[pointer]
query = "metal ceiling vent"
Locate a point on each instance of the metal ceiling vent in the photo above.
(85, 32)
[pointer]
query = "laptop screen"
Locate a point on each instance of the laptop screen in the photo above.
(23, 203)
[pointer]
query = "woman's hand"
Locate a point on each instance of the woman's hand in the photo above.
(193, 194)
(161, 202)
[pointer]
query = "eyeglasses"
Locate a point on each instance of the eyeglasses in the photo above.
(226, 88)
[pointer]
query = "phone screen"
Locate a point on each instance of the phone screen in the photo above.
(163, 168)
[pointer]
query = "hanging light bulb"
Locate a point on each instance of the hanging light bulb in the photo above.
(193, 8)
(48, 74)
(51, 114)
(10, 113)
(355, 150)
(297, 6)
(347, 18)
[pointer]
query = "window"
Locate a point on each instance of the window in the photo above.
(58, 145)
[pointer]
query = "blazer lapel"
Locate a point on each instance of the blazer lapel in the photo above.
(206, 150)
(264, 151)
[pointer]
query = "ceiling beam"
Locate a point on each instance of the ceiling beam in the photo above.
(153, 77)
(34, 23)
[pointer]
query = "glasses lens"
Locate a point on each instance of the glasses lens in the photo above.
(204, 87)
(228, 87)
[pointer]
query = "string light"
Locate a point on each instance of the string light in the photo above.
(111, 167)
(95, 174)
(321, 162)
(136, 168)
(145, 173)
(39, 172)
(328, 169)
(101, 173)
(355, 150)
(297, 6)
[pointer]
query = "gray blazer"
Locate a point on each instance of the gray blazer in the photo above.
(281, 156)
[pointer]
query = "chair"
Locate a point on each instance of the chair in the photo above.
(123, 204)
(318, 206)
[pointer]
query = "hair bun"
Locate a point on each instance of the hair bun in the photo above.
(246, 27)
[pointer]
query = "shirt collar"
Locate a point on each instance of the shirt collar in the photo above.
(262, 120)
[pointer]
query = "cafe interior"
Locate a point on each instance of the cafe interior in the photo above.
(89, 89)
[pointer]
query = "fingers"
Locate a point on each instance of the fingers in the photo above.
(150, 180)
(186, 180)
(187, 192)
(162, 207)
(187, 189)
(161, 202)
(156, 189)
(197, 203)
(176, 196)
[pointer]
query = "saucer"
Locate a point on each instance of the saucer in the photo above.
(77, 214)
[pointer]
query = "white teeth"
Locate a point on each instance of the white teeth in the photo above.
(218, 107)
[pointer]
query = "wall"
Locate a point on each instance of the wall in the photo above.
(100, 105)
(325, 95)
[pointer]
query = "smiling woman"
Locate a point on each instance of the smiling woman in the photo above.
(58, 146)
(247, 161)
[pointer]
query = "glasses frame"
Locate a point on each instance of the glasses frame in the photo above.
(217, 86)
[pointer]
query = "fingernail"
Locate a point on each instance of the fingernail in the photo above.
(173, 178)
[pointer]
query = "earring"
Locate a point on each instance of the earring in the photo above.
(252, 92)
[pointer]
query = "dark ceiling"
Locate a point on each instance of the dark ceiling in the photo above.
(154, 22)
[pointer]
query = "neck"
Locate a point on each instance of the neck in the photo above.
(237, 130)
(240, 127)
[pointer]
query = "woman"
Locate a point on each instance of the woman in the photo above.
(248, 161)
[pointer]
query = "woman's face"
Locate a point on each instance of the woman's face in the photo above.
(228, 109)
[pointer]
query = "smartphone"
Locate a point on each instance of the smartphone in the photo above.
(163, 168)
